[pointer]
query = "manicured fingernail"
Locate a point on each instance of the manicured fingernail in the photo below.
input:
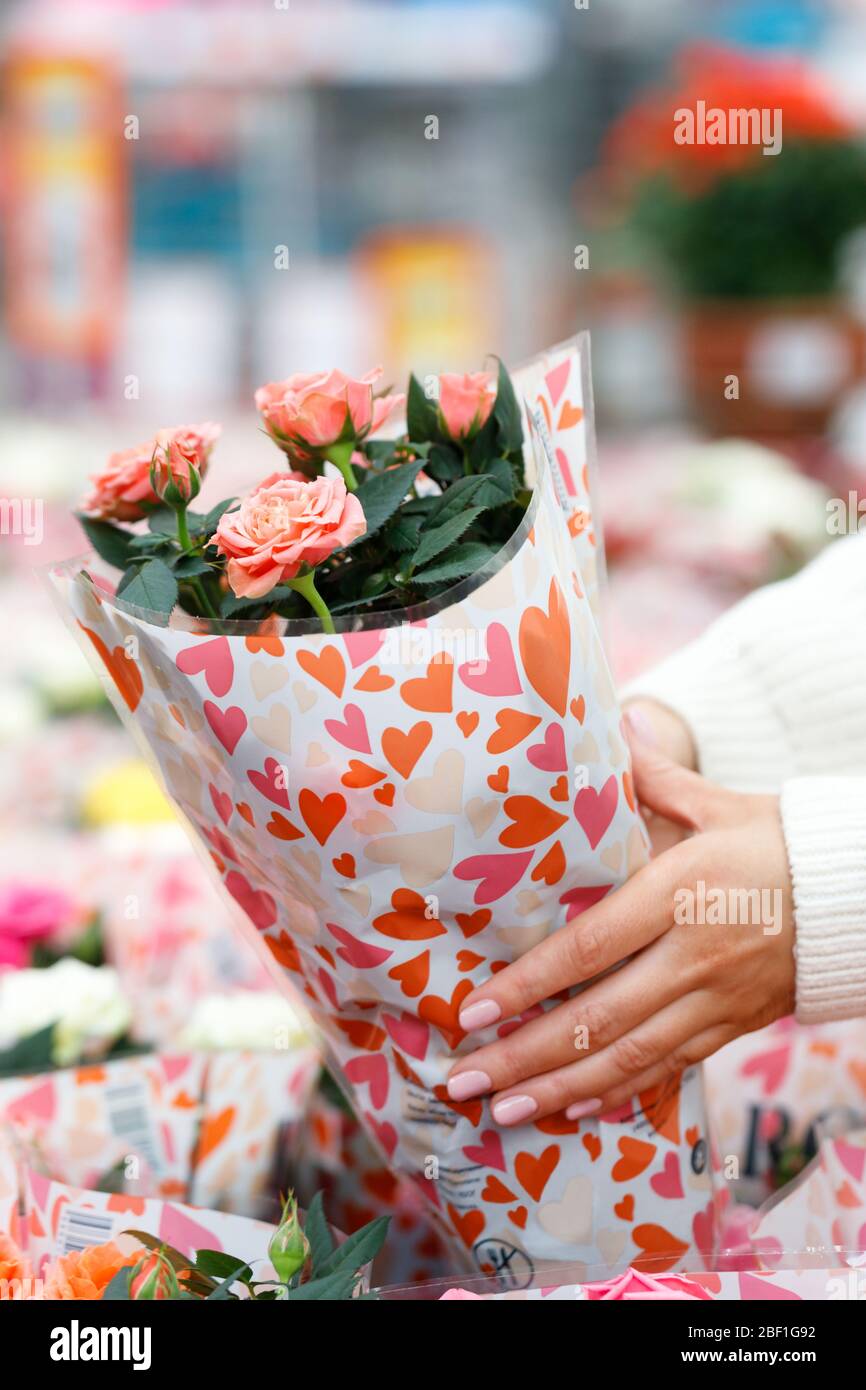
(467, 1084)
(514, 1110)
(581, 1108)
(479, 1015)
(641, 726)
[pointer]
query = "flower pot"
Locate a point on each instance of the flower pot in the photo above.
(769, 368)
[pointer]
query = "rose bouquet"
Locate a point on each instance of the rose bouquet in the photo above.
(376, 691)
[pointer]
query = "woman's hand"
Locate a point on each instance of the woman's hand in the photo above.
(709, 929)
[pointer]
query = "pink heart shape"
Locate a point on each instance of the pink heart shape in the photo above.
(409, 1033)
(557, 378)
(269, 782)
(228, 724)
(36, 1104)
(329, 988)
(565, 470)
(370, 1070)
(352, 733)
(222, 803)
(549, 756)
(753, 1287)
(256, 903)
(579, 899)
(489, 1152)
(362, 645)
(173, 1067)
(770, 1066)
(595, 810)
(186, 1235)
(498, 674)
(386, 1135)
(214, 657)
(499, 873)
(852, 1158)
(359, 954)
(669, 1182)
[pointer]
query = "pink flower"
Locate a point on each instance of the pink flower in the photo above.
(458, 1296)
(124, 483)
(311, 411)
(635, 1287)
(29, 911)
(465, 401)
(286, 523)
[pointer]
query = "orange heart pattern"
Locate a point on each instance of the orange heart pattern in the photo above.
(413, 812)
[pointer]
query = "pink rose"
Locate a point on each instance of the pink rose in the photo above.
(636, 1287)
(311, 411)
(465, 401)
(29, 911)
(286, 523)
(124, 484)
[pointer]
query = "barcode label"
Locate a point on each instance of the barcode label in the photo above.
(78, 1229)
(543, 435)
(129, 1118)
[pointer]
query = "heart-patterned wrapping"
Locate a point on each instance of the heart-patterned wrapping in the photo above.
(399, 810)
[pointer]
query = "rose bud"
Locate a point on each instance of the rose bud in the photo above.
(465, 402)
(289, 1248)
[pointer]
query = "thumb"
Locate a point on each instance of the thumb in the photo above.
(668, 789)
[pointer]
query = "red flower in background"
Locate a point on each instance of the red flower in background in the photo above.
(641, 143)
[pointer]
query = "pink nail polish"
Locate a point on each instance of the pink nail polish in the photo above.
(479, 1015)
(514, 1110)
(581, 1108)
(467, 1084)
(641, 727)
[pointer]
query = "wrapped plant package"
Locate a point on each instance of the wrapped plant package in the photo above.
(403, 806)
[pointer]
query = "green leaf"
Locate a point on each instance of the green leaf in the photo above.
(150, 540)
(402, 532)
(456, 563)
(117, 1288)
(30, 1054)
(188, 566)
(223, 1290)
(153, 587)
(318, 1233)
(506, 413)
(381, 494)
(337, 1287)
(222, 1266)
(454, 500)
(207, 524)
(163, 521)
(422, 421)
(358, 1249)
(433, 542)
(496, 486)
(443, 464)
(111, 543)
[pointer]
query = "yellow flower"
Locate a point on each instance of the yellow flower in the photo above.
(125, 795)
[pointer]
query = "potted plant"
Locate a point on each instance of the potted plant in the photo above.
(746, 182)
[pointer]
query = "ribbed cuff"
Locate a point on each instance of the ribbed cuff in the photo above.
(824, 820)
(740, 740)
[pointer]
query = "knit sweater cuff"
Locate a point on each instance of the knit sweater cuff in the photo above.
(739, 738)
(824, 820)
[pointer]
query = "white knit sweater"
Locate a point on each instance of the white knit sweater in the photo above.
(774, 693)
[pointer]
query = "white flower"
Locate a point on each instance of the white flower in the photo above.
(246, 1021)
(84, 1002)
(756, 494)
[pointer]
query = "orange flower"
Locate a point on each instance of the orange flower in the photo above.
(13, 1264)
(642, 141)
(84, 1274)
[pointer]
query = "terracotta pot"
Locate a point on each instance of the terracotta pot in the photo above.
(769, 368)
